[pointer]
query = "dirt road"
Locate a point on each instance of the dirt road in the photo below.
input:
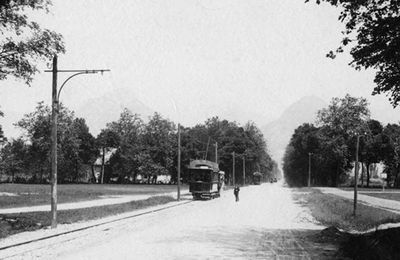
(265, 223)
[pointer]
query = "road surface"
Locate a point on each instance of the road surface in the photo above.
(265, 224)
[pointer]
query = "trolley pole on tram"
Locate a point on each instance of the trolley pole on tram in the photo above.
(216, 152)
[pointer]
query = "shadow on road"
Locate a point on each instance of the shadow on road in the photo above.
(255, 243)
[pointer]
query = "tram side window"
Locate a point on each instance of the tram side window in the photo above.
(200, 175)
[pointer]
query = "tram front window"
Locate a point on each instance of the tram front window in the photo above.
(200, 175)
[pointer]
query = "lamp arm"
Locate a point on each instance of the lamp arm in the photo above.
(70, 77)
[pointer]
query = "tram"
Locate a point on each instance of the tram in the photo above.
(205, 179)
(257, 178)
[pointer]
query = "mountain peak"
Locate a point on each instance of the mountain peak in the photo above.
(278, 132)
(108, 107)
(304, 110)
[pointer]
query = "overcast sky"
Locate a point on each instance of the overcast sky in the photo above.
(192, 59)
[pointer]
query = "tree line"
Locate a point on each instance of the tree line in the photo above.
(136, 148)
(331, 146)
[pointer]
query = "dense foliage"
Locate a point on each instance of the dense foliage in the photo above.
(391, 158)
(23, 42)
(27, 159)
(200, 141)
(1, 129)
(130, 150)
(372, 28)
(331, 146)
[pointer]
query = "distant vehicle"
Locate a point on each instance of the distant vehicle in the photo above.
(257, 178)
(205, 179)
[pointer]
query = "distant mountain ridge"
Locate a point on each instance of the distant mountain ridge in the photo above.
(108, 107)
(279, 132)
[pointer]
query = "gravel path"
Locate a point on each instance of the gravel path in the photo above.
(265, 223)
(87, 204)
(390, 205)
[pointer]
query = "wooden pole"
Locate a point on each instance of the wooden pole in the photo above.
(54, 115)
(309, 170)
(356, 177)
(244, 170)
(179, 163)
(233, 169)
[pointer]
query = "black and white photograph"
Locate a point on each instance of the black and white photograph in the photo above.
(199, 129)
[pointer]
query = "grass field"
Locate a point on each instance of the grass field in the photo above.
(332, 210)
(337, 212)
(18, 195)
(15, 223)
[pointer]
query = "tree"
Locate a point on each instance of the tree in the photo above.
(372, 29)
(371, 149)
(160, 142)
(81, 148)
(14, 157)
(106, 140)
(343, 120)
(129, 129)
(304, 140)
(246, 141)
(332, 143)
(73, 138)
(256, 153)
(391, 152)
(346, 115)
(24, 42)
(148, 168)
(36, 126)
(334, 157)
(1, 130)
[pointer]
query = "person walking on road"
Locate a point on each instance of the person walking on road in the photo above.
(236, 192)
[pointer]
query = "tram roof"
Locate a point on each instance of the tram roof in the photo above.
(204, 164)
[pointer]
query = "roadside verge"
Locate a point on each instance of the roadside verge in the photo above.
(12, 224)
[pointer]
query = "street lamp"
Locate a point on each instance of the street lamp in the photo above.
(54, 116)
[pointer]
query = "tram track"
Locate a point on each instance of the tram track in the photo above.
(77, 230)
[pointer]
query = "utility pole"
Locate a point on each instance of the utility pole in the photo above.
(54, 115)
(55, 98)
(179, 163)
(309, 170)
(244, 170)
(356, 176)
(233, 168)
